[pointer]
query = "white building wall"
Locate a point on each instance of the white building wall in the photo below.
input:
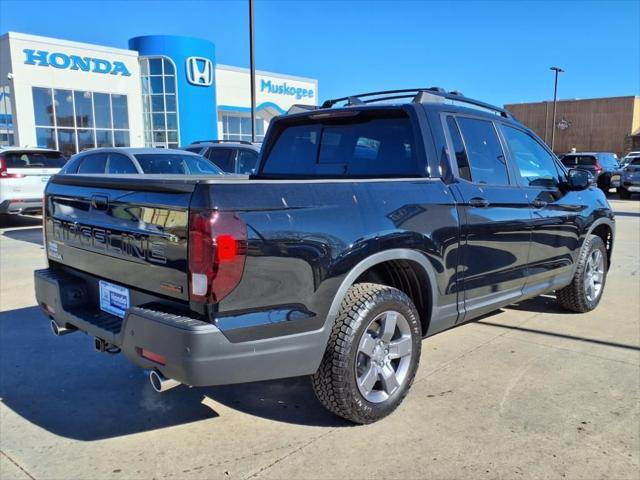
(275, 93)
(27, 76)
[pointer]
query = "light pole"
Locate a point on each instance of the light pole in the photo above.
(557, 71)
(252, 67)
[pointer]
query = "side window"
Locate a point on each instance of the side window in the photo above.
(120, 164)
(223, 158)
(536, 166)
(94, 163)
(486, 159)
(461, 156)
(247, 160)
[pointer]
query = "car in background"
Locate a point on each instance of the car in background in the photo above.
(232, 156)
(628, 157)
(129, 160)
(630, 178)
(24, 173)
(603, 166)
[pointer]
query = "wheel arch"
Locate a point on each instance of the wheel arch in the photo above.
(605, 229)
(429, 306)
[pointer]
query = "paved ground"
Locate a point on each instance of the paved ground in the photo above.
(531, 391)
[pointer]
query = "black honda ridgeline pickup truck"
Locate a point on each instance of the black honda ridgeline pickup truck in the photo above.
(370, 223)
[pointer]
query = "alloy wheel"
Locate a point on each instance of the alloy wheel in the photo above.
(384, 356)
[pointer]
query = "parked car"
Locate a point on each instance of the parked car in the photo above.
(129, 160)
(24, 172)
(231, 156)
(630, 178)
(602, 165)
(365, 228)
(627, 158)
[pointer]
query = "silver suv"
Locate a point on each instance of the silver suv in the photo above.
(231, 156)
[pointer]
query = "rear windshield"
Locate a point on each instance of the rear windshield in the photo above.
(579, 160)
(361, 147)
(176, 164)
(25, 159)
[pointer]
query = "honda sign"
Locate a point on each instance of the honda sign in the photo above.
(199, 71)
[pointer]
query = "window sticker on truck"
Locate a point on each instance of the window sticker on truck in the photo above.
(114, 299)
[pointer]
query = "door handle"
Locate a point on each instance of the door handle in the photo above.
(100, 202)
(479, 202)
(540, 203)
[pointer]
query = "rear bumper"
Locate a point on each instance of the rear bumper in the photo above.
(18, 206)
(196, 353)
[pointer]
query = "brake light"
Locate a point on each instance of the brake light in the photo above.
(598, 167)
(217, 252)
(3, 170)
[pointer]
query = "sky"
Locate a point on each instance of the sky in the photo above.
(496, 51)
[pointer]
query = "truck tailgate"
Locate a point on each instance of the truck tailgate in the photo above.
(132, 231)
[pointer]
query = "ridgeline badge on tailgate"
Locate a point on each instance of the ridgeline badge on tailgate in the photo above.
(119, 243)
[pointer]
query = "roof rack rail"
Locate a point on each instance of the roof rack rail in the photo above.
(418, 95)
(222, 141)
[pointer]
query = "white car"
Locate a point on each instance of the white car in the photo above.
(24, 172)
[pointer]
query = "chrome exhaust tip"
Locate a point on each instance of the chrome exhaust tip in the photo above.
(58, 330)
(160, 383)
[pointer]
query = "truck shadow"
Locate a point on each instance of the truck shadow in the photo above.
(17, 221)
(63, 386)
(29, 234)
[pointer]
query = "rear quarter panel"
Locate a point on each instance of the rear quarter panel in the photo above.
(305, 236)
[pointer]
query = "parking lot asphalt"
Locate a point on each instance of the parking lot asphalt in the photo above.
(529, 391)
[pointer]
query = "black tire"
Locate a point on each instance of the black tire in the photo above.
(624, 193)
(335, 382)
(574, 296)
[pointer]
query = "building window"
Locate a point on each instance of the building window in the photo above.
(6, 117)
(73, 120)
(160, 107)
(237, 126)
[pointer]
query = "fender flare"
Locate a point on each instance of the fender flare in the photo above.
(600, 221)
(375, 259)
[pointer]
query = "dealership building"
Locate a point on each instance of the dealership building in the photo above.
(163, 91)
(588, 125)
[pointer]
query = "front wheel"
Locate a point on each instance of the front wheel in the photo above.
(372, 355)
(585, 290)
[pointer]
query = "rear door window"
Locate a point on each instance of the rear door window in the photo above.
(247, 161)
(361, 147)
(464, 171)
(93, 163)
(224, 158)
(173, 163)
(486, 158)
(120, 164)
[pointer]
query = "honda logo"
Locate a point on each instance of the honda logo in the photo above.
(199, 71)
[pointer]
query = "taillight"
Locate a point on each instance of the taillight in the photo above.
(217, 251)
(3, 170)
(598, 167)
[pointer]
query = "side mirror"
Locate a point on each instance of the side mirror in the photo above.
(579, 179)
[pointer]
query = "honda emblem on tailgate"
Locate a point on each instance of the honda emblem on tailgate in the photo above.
(199, 71)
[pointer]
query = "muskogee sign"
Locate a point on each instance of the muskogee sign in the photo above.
(62, 61)
(284, 89)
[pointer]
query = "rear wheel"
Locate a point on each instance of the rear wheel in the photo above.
(372, 355)
(585, 291)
